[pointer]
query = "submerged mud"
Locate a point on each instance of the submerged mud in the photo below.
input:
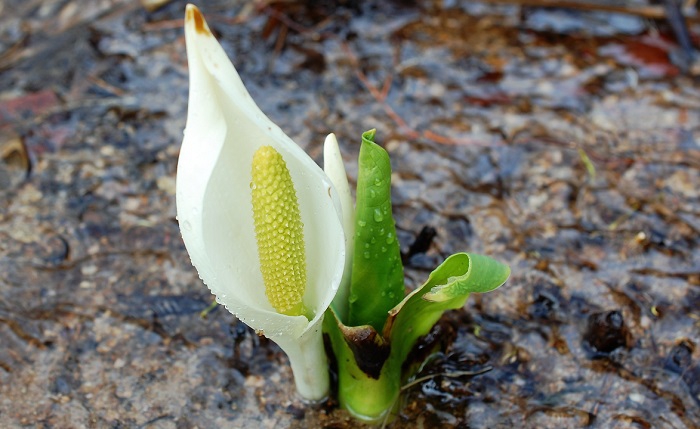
(563, 142)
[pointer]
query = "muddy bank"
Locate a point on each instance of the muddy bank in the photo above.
(564, 142)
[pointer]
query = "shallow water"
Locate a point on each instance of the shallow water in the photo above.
(562, 142)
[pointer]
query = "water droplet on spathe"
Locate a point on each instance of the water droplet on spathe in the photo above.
(361, 222)
(378, 217)
(187, 226)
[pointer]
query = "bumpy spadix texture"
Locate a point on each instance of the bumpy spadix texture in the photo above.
(278, 231)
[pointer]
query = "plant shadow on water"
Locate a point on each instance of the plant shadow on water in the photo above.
(563, 142)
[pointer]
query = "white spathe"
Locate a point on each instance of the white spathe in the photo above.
(224, 129)
(334, 167)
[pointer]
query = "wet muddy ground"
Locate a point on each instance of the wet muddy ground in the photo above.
(564, 142)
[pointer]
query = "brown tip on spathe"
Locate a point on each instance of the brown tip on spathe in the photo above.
(192, 13)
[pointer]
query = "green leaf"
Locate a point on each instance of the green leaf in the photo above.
(465, 273)
(590, 167)
(448, 287)
(377, 273)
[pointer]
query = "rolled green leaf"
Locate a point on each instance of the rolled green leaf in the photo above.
(377, 273)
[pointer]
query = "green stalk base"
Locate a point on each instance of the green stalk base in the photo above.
(368, 399)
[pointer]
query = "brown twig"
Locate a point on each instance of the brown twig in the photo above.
(284, 19)
(651, 12)
(380, 98)
(378, 95)
(169, 24)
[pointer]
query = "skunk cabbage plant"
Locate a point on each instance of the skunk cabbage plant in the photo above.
(281, 244)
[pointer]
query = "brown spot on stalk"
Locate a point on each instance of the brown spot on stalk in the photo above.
(368, 347)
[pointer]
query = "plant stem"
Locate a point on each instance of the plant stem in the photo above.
(307, 358)
(367, 398)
